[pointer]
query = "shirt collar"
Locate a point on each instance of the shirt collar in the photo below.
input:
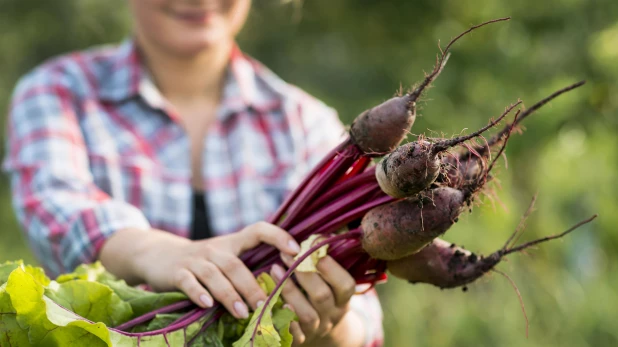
(124, 74)
(127, 78)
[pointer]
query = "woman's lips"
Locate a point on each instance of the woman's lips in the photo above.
(195, 17)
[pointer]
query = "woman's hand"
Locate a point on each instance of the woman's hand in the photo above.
(324, 306)
(204, 269)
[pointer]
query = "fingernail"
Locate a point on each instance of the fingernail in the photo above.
(294, 246)
(260, 303)
(207, 300)
(241, 309)
(278, 272)
(289, 307)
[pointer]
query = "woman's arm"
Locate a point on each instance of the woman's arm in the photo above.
(65, 216)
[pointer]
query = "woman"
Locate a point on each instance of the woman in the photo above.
(107, 148)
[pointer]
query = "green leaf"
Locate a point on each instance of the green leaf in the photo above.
(266, 334)
(309, 264)
(23, 294)
(266, 282)
(220, 329)
(142, 301)
(232, 328)
(162, 320)
(11, 333)
(29, 318)
(286, 336)
(72, 336)
(91, 300)
(36, 272)
(283, 316)
(7, 268)
(27, 298)
(209, 339)
(89, 272)
(268, 285)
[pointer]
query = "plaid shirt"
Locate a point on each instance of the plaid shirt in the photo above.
(93, 147)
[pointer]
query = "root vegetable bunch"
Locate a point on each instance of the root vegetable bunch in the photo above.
(368, 218)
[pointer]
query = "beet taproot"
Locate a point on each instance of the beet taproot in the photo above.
(446, 265)
(414, 166)
(400, 228)
(380, 129)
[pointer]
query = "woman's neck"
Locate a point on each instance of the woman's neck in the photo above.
(187, 78)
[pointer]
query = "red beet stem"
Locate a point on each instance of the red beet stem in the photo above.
(327, 226)
(150, 315)
(342, 188)
(292, 197)
(321, 183)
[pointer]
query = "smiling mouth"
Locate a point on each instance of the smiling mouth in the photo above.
(195, 17)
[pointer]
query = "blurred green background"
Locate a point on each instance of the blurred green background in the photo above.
(356, 53)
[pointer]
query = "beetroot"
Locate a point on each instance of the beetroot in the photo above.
(445, 265)
(414, 166)
(400, 228)
(408, 170)
(380, 129)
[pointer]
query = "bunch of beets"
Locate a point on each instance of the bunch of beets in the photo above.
(388, 216)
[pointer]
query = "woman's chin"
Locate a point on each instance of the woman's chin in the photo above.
(198, 43)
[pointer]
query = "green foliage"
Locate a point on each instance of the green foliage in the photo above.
(275, 320)
(355, 53)
(35, 311)
(91, 300)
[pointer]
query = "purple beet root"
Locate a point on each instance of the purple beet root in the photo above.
(401, 228)
(380, 129)
(408, 170)
(414, 166)
(445, 265)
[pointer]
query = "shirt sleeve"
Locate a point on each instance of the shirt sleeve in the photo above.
(323, 131)
(65, 216)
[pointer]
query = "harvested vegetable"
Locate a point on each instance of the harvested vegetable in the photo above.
(445, 265)
(401, 228)
(414, 166)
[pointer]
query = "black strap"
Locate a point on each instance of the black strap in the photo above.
(200, 228)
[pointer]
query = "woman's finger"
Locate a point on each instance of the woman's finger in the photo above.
(241, 278)
(319, 292)
(185, 281)
(297, 334)
(307, 316)
(220, 288)
(338, 278)
(262, 232)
